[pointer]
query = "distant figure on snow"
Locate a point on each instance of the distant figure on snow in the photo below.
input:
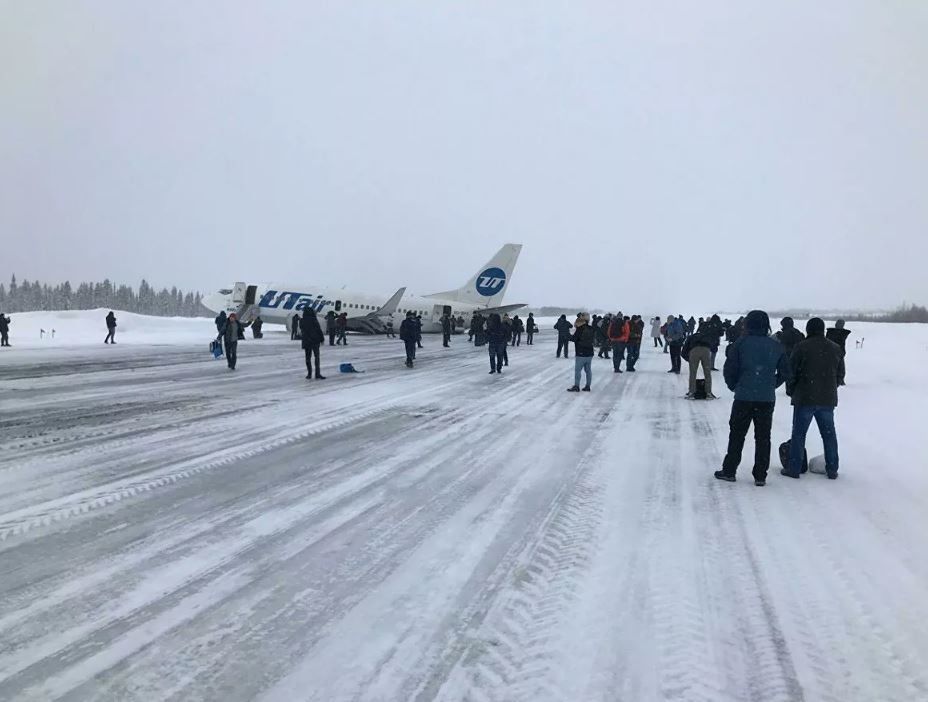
(582, 337)
(330, 329)
(789, 336)
(408, 334)
(530, 329)
(388, 328)
(295, 327)
(4, 330)
(838, 334)
(563, 328)
(341, 329)
(230, 334)
(656, 332)
(110, 328)
(256, 327)
(312, 336)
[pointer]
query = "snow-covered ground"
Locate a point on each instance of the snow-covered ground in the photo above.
(172, 530)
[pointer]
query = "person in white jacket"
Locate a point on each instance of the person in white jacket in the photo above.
(656, 332)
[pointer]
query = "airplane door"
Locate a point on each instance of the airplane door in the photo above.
(338, 305)
(446, 310)
(238, 293)
(250, 294)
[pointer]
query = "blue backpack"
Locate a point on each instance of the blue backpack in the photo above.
(348, 368)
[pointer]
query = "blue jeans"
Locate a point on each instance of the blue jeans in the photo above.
(618, 354)
(584, 363)
(802, 418)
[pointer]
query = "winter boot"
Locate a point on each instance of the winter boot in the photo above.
(573, 388)
(722, 475)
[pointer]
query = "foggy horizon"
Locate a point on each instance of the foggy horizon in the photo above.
(653, 159)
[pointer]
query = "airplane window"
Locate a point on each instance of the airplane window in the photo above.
(225, 291)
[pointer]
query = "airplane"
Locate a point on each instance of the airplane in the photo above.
(277, 303)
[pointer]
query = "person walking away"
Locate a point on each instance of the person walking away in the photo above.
(518, 326)
(789, 336)
(4, 330)
(330, 326)
(497, 337)
(256, 327)
(341, 329)
(230, 335)
(635, 336)
(676, 335)
(418, 321)
(656, 332)
(838, 334)
(295, 327)
(583, 353)
(472, 329)
(618, 338)
(408, 334)
(312, 338)
(714, 332)
(391, 334)
(697, 351)
(817, 366)
(563, 328)
(755, 366)
(530, 329)
(507, 339)
(664, 334)
(446, 329)
(601, 336)
(220, 322)
(110, 328)
(691, 325)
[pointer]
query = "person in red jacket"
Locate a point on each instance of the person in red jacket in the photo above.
(618, 338)
(635, 335)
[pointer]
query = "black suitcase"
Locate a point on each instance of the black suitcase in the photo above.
(784, 457)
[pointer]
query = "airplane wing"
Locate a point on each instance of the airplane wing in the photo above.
(502, 309)
(371, 322)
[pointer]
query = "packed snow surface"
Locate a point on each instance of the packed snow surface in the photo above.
(170, 529)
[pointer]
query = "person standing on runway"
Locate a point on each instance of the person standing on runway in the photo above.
(110, 328)
(312, 336)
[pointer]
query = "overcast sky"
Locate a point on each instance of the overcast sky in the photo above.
(650, 156)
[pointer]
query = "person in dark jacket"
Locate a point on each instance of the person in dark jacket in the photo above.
(507, 330)
(518, 326)
(690, 325)
(755, 366)
(4, 330)
(789, 336)
(295, 327)
(419, 331)
(330, 329)
(110, 328)
(220, 321)
(583, 352)
(312, 336)
(563, 328)
(230, 334)
(838, 334)
(388, 328)
(601, 336)
(633, 349)
(256, 327)
(817, 366)
(447, 326)
(341, 329)
(409, 332)
(530, 329)
(697, 351)
(714, 330)
(497, 337)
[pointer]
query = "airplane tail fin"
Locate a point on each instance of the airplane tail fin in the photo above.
(488, 286)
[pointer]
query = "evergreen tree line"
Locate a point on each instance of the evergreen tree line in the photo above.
(905, 314)
(36, 297)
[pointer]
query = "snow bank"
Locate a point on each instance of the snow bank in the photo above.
(88, 328)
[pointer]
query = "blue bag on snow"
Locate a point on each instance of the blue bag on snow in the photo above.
(348, 368)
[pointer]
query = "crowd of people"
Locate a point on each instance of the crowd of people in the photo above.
(757, 362)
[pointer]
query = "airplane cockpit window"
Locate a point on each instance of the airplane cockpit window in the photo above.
(225, 291)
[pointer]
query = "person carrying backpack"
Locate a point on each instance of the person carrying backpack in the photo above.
(563, 328)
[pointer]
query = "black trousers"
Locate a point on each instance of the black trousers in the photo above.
(529, 337)
(332, 338)
(517, 339)
(232, 353)
(4, 339)
(445, 338)
(311, 353)
(658, 342)
(410, 350)
(111, 336)
(563, 343)
(742, 414)
(675, 350)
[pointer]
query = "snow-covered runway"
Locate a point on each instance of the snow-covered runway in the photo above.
(171, 530)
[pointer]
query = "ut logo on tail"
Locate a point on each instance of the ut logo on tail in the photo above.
(491, 282)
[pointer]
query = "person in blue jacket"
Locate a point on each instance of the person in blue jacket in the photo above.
(755, 366)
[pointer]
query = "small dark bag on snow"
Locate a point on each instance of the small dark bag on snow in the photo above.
(700, 392)
(784, 457)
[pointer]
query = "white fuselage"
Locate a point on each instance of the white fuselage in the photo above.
(277, 303)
